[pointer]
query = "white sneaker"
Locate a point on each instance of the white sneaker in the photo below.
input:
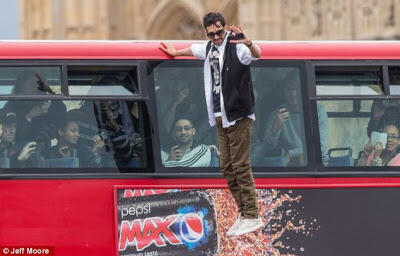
(249, 225)
(235, 226)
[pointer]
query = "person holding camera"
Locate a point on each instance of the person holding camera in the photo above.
(119, 132)
(186, 152)
(230, 104)
(283, 134)
(17, 153)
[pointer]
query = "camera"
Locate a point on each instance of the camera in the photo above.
(239, 36)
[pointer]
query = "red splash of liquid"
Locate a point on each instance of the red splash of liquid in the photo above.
(265, 241)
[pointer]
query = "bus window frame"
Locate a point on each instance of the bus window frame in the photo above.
(263, 171)
(63, 64)
(311, 65)
(136, 94)
(352, 171)
(49, 173)
(21, 64)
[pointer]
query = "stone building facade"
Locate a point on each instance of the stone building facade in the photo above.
(182, 19)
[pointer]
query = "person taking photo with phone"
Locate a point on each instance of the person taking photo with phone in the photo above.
(186, 152)
(14, 152)
(230, 105)
(283, 134)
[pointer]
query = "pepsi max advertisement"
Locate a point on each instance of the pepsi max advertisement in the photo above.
(306, 222)
(178, 224)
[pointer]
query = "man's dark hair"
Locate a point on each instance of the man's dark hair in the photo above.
(212, 18)
(184, 117)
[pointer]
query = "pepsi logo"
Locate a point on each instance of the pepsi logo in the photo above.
(191, 227)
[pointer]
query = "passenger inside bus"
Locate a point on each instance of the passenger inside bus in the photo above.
(115, 124)
(15, 153)
(106, 136)
(86, 119)
(35, 118)
(266, 83)
(118, 125)
(186, 152)
(180, 92)
(380, 154)
(90, 138)
(111, 128)
(377, 111)
(66, 153)
(283, 135)
(350, 145)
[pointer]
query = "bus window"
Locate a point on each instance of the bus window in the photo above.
(102, 80)
(90, 134)
(186, 138)
(278, 134)
(368, 135)
(30, 80)
(348, 80)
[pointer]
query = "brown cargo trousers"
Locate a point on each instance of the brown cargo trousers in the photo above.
(234, 146)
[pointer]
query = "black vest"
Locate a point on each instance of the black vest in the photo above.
(237, 87)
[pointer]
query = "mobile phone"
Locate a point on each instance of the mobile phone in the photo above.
(283, 106)
(378, 137)
(240, 36)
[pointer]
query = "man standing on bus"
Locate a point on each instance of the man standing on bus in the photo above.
(230, 104)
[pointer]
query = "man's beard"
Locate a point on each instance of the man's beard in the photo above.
(184, 141)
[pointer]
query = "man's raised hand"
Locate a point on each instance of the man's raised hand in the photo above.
(238, 30)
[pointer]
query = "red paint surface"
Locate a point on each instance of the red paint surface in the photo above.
(77, 216)
(150, 50)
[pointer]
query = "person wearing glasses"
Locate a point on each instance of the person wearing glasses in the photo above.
(185, 152)
(383, 155)
(230, 104)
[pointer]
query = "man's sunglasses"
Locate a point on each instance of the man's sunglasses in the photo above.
(219, 33)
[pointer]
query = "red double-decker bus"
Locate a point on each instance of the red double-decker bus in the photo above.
(92, 161)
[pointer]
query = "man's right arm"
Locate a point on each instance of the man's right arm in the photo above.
(196, 50)
(171, 50)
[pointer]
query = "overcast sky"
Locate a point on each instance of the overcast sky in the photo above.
(9, 20)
